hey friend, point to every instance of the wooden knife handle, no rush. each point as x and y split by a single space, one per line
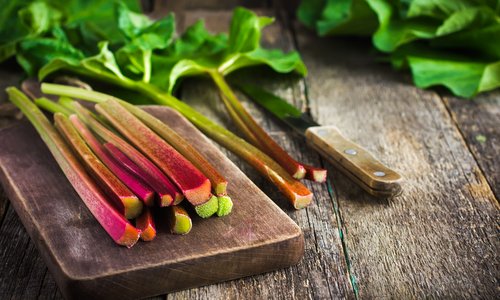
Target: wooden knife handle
354 161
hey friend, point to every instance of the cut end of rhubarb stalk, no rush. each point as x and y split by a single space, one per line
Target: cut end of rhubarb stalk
166 200
180 222
200 194
133 207
130 236
208 208
302 201
316 174
300 173
220 189
146 225
225 206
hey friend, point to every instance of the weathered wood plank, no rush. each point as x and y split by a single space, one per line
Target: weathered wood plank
479 123
322 273
440 238
22 269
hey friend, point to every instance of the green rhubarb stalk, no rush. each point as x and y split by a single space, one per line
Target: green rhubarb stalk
193 184
253 131
179 220
126 202
219 183
225 206
208 208
51 106
295 191
117 227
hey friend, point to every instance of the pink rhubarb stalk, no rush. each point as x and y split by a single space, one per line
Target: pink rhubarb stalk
117 227
134 160
193 184
315 174
219 183
136 185
146 225
126 202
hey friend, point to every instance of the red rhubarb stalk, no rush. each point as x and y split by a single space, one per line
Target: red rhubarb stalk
193 184
146 225
126 202
219 183
118 228
254 131
134 160
136 185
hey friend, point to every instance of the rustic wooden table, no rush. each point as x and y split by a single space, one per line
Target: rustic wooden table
439 239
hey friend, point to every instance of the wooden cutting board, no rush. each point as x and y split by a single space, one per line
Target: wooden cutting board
257 237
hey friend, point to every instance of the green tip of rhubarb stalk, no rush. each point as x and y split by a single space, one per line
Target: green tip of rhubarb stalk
133 207
183 225
208 208
225 206
302 201
220 188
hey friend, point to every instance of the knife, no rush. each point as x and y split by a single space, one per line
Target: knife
351 159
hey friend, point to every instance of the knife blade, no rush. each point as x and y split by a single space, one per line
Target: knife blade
350 158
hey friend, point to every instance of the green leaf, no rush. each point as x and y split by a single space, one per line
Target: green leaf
463 78
102 63
33 54
276 59
245 30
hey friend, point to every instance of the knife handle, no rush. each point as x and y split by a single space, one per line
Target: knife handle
354 161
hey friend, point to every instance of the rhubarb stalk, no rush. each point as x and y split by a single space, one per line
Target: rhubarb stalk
219 183
146 225
134 160
126 202
295 191
179 220
136 185
117 227
193 184
253 131
51 106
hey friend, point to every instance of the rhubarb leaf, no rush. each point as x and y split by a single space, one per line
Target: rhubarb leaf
469 29
199 52
143 36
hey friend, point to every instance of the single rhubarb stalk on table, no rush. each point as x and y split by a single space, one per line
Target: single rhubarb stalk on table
135 184
219 183
126 202
315 174
117 227
179 220
298 195
51 106
145 223
134 160
193 184
253 131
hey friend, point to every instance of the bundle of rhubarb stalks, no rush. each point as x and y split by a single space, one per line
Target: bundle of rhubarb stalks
124 164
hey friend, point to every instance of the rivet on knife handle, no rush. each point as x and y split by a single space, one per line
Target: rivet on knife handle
351 158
